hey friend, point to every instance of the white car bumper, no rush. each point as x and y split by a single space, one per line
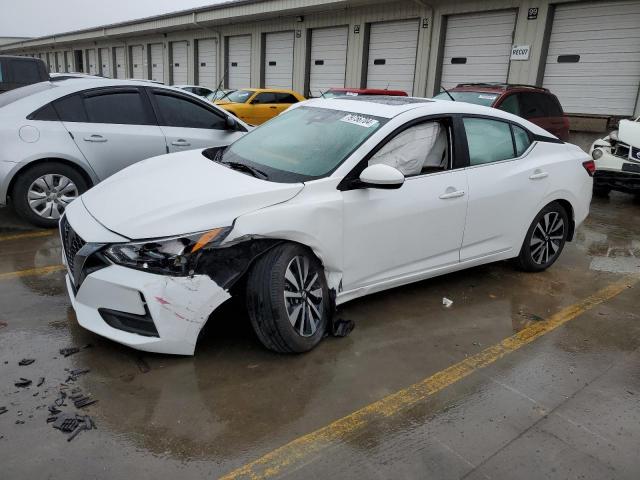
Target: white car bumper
169 311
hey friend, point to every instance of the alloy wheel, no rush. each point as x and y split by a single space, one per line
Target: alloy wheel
50 194
303 296
546 240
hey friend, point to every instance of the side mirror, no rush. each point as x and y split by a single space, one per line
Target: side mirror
381 176
231 123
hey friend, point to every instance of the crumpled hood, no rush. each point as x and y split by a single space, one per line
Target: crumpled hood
179 193
629 132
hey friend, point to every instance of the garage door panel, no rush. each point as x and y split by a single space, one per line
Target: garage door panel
606 77
278 60
157 62
484 40
392 55
137 61
208 63
179 63
119 67
239 61
105 62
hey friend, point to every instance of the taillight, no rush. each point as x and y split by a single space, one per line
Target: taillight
589 166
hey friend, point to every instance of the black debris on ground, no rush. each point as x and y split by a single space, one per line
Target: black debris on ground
66 352
72 424
3 410
26 361
342 327
40 382
3 324
23 383
74 374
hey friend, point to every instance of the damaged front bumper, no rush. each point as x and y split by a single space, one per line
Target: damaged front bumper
146 311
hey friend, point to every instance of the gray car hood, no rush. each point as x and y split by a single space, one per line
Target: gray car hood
179 193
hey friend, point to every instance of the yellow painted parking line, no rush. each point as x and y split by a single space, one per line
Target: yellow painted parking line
31 272
302 449
20 236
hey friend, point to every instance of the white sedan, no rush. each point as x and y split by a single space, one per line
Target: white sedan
330 201
59 138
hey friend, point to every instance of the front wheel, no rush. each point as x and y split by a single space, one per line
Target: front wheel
288 299
545 239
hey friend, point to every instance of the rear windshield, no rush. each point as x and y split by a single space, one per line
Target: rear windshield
477 98
19 93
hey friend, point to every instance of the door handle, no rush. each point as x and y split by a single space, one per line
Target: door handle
538 174
455 194
273 107
180 143
95 139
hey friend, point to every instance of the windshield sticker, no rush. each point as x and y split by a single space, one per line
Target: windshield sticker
351 94
360 120
487 97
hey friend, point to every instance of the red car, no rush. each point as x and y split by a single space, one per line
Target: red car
536 104
342 92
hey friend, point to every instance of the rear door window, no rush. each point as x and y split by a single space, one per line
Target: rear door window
265 97
176 111
521 139
286 98
122 107
71 109
491 141
511 104
550 106
532 105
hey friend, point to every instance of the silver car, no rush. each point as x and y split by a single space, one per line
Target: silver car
59 138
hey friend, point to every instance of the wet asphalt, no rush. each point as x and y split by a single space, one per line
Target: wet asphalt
566 405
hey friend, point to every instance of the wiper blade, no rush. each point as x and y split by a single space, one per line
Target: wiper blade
246 168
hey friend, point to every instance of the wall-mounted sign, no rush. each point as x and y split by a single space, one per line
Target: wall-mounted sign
356 29
520 52
532 13
298 33
425 23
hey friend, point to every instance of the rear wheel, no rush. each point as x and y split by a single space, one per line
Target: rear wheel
41 193
545 239
288 299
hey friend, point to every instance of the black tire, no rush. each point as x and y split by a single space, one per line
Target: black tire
601 191
270 313
19 193
543 244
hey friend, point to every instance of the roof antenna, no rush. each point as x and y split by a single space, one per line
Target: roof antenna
322 93
447 92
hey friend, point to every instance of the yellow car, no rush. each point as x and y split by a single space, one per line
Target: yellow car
257 105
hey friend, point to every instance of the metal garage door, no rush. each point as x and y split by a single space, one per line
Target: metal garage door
120 69
477 48
328 62
68 61
179 68
208 63
105 62
137 61
593 64
92 62
239 62
157 62
392 55
278 60
59 61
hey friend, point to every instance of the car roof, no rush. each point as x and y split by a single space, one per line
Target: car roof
369 91
390 106
268 90
495 87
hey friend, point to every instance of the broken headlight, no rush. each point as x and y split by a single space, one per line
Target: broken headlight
166 256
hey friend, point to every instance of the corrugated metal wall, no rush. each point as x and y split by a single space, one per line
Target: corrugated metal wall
532 28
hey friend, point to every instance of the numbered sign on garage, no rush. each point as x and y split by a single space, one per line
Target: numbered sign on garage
239 61
278 60
477 48
392 55
137 61
179 63
156 52
207 66
593 63
328 60
105 62
120 66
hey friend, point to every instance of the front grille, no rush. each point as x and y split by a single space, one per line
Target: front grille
71 242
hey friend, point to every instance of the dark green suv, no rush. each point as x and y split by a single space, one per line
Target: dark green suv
16 72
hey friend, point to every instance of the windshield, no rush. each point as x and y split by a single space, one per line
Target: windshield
239 96
478 98
303 144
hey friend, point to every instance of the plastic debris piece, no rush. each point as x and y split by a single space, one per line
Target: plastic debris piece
60 400
84 402
342 327
24 382
19 422
69 351
3 324
447 302
3 410
26 361
66 423
40 382
53 410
